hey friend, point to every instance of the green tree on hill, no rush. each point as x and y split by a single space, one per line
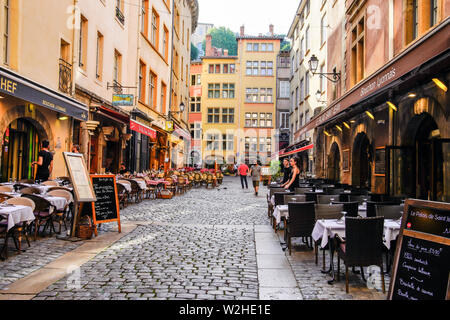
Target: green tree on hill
194 52
223 38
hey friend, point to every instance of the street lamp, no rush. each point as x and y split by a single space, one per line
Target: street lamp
181 107
314 63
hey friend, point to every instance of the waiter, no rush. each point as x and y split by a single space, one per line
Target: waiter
286 170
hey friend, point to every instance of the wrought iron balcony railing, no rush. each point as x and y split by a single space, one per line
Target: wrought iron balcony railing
120 15
65 76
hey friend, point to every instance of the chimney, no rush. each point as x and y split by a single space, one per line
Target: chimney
208 46
242 31
225 52
271 29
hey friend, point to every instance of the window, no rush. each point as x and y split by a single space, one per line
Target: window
82 56
196 131
255 47
117 73
214 90
6 33
254 119
263 47
270 47
268 145
266 68
163 97
227 115
196 79
144 24
152 81
357 52
181 68
119 11
213 115
248 119
182 36
255 68
165 45
229 68
249 47
293 65
141 82
284 89
323 30
251 94
154 38
268 119
284 120
176 68
262 144
307 84
196 104
434 12
249 68
228 91
266 95
307 40
177 21
228 142
307 116
214 68
302 89
212 142
296 97
307 6
302 52
99 57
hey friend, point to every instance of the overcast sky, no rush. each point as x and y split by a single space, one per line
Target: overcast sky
256 15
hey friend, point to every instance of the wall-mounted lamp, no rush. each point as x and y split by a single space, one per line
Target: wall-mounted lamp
314 63
391 105
181 107
346 125
412 95
339 128
326 132
440 84
62 117
371 116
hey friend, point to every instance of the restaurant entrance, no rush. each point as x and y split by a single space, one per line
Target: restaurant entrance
362 161
20 148
334 163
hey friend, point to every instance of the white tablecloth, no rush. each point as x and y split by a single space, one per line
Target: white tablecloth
142 184
58 202
17 214
330 227
126 186
280 211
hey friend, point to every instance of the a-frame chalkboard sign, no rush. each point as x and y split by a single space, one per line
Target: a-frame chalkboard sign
422 257
106 208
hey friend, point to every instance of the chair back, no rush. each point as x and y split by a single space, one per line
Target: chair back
6 189
4 197
61 193
279 197
333 191
364 241
302 190
371 207
30 190
350 207
359 198
29 181
22 202
294 198
124 182
301 218
326 198
41 204
393 212
273 190
327 211
50 183
121 189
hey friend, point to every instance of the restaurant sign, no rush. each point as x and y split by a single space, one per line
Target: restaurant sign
123 100
169 126
139 127
22 88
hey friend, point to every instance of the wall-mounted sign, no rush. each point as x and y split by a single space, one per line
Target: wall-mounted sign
380 161
169 126
346 160
139 127
123 100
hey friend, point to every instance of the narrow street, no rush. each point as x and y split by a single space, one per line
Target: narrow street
205 244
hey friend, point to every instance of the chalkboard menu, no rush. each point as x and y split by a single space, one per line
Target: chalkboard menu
106 208
422 258
380 161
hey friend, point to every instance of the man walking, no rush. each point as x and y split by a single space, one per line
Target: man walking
243 171
255 172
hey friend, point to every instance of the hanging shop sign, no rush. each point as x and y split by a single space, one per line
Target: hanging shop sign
123 100
169 126
139 127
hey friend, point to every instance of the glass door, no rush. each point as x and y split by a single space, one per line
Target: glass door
400 171
440 184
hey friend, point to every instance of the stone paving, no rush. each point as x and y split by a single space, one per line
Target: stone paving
200 245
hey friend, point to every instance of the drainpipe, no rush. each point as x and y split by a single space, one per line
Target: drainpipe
171 77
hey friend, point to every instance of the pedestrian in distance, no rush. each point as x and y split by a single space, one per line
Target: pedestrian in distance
243 172
293 181
255 172
44 163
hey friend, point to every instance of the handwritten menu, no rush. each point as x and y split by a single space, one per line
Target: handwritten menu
79 177
422 258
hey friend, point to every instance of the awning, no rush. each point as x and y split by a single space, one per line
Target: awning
141 128
20 87
284 154
113 114
179 132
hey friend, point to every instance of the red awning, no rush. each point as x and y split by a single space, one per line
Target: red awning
138 127
283 154
114 114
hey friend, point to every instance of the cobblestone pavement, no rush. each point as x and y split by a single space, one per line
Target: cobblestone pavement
200 245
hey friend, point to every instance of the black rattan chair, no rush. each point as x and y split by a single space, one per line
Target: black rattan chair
300 223
351 208
363 245
279 197
393 212
326 198
371 207
327 211
302 190
294 198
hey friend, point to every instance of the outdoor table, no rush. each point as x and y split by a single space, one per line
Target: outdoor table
58 202
16 214
126 186
326 229
141 184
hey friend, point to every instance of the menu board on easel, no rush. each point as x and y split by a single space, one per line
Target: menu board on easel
79 176
421 266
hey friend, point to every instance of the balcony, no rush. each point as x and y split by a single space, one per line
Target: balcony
65 77
120 15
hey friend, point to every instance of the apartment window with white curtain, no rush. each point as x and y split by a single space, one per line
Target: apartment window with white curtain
323 30
284 89
228 142
284 120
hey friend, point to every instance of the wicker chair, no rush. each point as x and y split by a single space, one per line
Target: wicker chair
197 179
351 208
20 186
50 183
29 181
393 212
210 181
326 198
6 189
269 201
219 177
181 184
333 191
151 189
363 246
171 186
122 194
327 211
360 198
300 223
4 197
30 190
43 214
21 229
64 214
136 191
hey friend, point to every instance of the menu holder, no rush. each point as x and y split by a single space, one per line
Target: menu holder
106 208
421 269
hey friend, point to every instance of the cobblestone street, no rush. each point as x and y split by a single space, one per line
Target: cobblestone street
204 244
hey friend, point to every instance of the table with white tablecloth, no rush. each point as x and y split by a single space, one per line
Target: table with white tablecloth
58 202
16 214
127 186
142 184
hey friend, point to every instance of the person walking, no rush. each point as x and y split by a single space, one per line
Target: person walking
255 172
286 170
243 172
293 181
44 163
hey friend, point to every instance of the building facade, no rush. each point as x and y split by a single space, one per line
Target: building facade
385 127
195 114
283 101
200 35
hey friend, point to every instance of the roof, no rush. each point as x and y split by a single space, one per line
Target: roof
220 57
260 38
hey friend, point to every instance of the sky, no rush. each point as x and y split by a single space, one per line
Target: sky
256 15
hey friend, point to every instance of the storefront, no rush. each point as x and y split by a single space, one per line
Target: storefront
144 140
31 113
390 134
